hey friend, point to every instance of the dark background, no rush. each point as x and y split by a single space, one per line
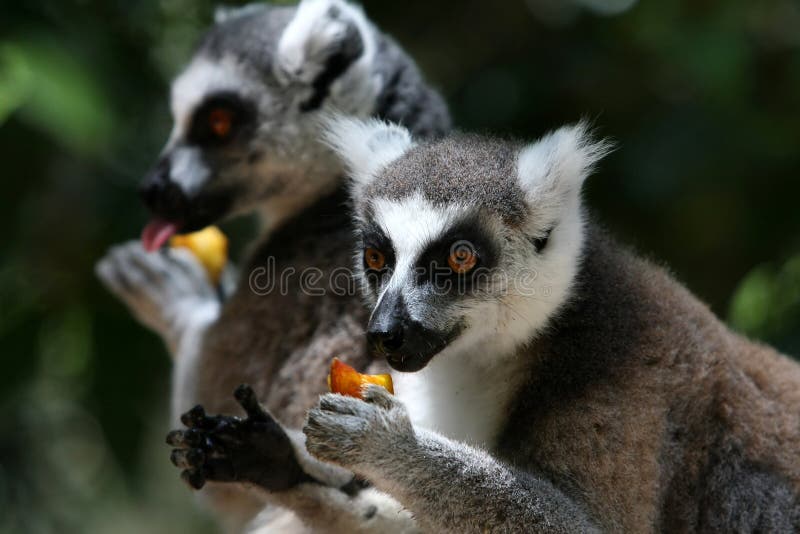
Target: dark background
702 96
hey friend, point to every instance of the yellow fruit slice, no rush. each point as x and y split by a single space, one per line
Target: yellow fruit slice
347 381
209 245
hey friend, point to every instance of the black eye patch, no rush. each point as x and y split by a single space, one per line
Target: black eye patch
433 267
540 242
204 129
373 237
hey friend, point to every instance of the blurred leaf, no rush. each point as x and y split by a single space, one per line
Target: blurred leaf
21 297
15 80
767 303
52 90
65 343
752 301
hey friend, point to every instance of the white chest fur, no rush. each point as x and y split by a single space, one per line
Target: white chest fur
461 397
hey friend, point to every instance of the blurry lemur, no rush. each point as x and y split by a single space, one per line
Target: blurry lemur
246 138
548 379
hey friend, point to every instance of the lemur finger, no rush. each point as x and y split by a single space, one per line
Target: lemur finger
130 268
194 478
109 273
150 271
187 458
374 394
246 398
321 424
194 418
184 438
333 402
187 276
183 262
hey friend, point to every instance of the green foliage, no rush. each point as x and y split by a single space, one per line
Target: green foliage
55 92
766 305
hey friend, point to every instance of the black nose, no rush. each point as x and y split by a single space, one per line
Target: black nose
387 337
161 195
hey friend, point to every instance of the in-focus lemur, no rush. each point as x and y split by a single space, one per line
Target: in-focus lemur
246 137
548 380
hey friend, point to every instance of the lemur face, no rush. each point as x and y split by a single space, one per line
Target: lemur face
246 113
463 242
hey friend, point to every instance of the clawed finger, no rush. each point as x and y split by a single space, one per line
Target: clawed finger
247 399
194 418
186 438
377 395
187 458
321 422
341 404
194 478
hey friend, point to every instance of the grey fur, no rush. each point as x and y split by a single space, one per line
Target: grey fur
405 98
464 168
635 409
251 37
449 486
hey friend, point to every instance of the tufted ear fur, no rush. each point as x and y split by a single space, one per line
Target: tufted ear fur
552 169
322 40
365 146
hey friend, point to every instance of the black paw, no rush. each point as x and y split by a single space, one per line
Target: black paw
224 448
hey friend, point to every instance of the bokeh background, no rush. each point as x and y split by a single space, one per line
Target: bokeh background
703 98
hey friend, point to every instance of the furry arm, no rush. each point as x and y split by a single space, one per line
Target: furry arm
448 486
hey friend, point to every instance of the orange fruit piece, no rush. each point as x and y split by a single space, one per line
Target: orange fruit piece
347 381
209 245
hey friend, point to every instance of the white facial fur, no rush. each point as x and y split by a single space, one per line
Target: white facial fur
188 169
200 78
464 389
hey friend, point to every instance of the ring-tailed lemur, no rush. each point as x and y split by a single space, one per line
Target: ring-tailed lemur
246 137
549 379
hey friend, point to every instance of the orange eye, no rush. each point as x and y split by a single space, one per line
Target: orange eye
374 259
462 259
221 121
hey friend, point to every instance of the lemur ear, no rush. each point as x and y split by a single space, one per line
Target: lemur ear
552 170
365 146
322 40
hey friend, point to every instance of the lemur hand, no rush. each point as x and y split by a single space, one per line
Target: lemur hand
223 448
168 291
351 432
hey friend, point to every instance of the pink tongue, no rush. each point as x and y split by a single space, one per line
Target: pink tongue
156 233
